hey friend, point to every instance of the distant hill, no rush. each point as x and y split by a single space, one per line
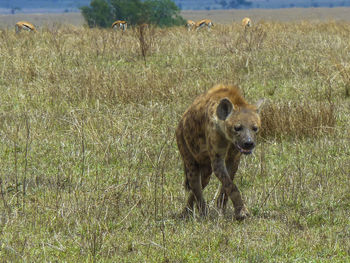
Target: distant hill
61 6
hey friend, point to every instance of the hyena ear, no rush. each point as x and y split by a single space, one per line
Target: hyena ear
224 109
259 104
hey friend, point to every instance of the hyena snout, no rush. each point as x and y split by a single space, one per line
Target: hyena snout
246 146
249 145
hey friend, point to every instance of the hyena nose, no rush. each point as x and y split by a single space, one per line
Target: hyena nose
248 145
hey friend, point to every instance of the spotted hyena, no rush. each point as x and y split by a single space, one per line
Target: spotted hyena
212 135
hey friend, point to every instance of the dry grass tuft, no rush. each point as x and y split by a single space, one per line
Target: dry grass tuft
344 72
297 119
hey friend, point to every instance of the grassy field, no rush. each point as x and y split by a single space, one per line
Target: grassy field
89 168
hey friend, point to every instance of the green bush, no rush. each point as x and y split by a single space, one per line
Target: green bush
102 13
133 11
164 13
99 13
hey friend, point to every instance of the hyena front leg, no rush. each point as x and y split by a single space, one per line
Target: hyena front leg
231 164
229 189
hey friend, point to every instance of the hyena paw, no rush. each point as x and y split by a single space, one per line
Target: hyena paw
204 211
186 213
242 213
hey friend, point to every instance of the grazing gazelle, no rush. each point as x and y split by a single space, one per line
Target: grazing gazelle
190 25
120 24
23 25
204 23
246 22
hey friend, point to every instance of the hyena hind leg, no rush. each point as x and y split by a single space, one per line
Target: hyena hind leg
196 181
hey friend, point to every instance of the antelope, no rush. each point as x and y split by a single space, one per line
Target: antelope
203 23
23 25
246 22
120 24
190 25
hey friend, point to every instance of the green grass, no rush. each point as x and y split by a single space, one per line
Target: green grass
88 128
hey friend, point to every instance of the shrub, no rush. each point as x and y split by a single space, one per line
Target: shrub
97 14
102 13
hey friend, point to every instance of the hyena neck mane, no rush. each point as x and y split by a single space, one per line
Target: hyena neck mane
232 93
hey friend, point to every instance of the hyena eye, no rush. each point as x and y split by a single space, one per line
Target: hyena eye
238 128
255 128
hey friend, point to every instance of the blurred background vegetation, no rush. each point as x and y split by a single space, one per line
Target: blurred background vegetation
103 13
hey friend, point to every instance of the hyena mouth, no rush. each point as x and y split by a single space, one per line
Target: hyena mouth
244 151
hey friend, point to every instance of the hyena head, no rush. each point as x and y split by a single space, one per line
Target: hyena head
239 124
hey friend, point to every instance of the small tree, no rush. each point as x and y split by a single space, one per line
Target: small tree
14 9
98 13
136 12
133 11
164 13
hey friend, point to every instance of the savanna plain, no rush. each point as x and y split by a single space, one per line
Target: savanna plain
89 167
